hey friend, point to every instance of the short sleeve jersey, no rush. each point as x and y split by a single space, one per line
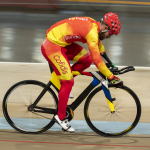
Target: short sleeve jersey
80 29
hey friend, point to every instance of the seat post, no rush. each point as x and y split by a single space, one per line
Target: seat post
51 69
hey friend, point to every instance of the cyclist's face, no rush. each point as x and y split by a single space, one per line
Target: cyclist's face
104 35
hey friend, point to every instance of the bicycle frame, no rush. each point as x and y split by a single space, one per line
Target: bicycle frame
97 79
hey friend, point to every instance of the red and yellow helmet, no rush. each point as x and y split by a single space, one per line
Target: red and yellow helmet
112 20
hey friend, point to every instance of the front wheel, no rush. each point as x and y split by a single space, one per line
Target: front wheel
18 101
99 117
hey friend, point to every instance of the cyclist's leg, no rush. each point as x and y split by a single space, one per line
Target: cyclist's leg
56 56
77 53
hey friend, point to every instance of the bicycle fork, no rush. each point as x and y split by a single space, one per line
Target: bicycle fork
108 96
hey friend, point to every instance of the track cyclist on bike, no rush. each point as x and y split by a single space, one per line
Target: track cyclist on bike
59 47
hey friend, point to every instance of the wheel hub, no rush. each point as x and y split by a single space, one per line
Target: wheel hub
30 108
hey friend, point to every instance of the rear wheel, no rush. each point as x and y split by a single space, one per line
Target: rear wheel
99 117
17 103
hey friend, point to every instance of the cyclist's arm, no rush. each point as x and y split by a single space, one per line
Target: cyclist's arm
92 41
103 53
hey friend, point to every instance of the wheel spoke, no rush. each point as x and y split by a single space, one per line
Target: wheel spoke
41 115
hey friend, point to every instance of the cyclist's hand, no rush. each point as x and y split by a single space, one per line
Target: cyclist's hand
114 80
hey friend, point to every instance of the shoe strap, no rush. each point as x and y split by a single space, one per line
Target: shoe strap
67 128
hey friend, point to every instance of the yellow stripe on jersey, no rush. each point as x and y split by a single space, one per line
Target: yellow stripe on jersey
92 37
56 34
80 54
101 48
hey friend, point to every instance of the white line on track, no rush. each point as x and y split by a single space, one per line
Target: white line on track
22 63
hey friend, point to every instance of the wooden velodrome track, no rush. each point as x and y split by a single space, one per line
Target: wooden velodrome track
137 80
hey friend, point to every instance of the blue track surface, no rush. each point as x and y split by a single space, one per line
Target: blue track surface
81 126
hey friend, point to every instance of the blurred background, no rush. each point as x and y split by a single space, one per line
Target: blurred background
23 26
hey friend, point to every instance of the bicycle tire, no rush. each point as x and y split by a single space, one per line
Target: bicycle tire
127 106
28 122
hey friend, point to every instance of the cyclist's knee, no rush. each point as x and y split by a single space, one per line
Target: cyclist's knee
88 61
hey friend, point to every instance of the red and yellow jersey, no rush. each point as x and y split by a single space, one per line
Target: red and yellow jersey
80 29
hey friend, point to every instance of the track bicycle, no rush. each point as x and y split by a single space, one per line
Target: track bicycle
110 110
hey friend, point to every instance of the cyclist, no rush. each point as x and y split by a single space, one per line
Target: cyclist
59 47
